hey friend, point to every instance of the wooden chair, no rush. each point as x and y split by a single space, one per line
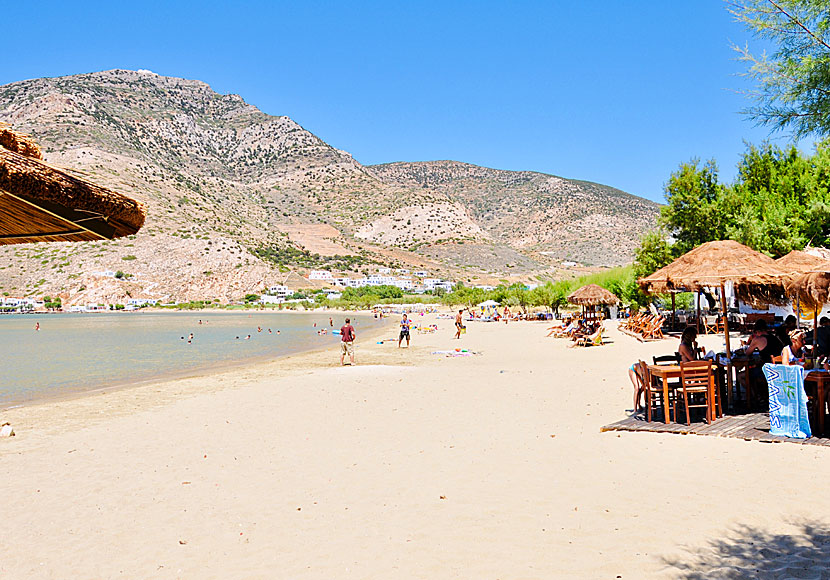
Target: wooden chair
652 392
592 340
666 359
711 324
654 331
697 381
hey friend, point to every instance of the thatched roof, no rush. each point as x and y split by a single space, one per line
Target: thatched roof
592 295
811 288
800 262
757 278
40 203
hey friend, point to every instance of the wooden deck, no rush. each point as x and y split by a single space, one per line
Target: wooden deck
751 427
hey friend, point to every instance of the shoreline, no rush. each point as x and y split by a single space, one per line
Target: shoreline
217 368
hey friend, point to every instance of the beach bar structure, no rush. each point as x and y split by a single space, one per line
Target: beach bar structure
756 278
42 203
590 296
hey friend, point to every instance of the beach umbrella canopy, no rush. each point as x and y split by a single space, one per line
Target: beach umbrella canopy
800 262
592 295
41 203
757 278
812 289
489 303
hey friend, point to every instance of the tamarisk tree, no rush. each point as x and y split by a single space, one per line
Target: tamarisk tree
794 79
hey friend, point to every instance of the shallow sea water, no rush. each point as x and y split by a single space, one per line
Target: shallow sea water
79 352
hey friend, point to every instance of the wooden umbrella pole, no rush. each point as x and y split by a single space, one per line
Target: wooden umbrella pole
673 321
728 349
697 320
815 333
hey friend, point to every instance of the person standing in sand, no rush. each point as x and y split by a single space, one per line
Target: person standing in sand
405 323
347 336
459 324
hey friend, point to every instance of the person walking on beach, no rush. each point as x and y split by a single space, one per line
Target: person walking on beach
459 325
347 336
405 323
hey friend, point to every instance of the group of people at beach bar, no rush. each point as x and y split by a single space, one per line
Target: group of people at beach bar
737 380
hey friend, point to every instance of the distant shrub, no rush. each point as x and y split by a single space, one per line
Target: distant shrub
128 257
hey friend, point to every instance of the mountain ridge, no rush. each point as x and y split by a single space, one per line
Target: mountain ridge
223 180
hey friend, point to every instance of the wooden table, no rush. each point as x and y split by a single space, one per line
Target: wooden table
821 378
665 372
668 372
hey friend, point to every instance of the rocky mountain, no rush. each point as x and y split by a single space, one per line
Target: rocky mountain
237 198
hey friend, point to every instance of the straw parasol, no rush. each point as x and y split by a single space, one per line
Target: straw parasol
592 295
807 284
811 288
41 203
756 277
799 262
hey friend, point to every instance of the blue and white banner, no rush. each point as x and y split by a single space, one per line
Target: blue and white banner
787 401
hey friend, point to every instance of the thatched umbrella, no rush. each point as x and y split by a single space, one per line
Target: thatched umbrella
805 268
41 203
811 288
591 296
800 262
756 277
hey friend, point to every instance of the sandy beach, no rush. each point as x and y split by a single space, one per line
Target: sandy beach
407 465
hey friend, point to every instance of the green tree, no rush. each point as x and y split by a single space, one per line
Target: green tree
794 79
693 213
550 295
653 253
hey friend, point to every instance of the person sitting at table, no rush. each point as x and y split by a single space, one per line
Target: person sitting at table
794 353
783 331
822 347
688 345
763 341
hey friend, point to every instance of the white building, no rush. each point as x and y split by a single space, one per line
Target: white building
343 281
378 280
402 272
385 271
485 287
404 283
139 302
420 273
320 275
279 291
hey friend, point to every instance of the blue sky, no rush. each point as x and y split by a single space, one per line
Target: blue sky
614 92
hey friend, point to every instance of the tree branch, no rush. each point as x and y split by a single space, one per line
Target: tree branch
799 23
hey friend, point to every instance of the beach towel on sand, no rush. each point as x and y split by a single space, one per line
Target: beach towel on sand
787 401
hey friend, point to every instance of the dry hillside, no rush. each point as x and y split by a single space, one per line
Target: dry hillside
236 198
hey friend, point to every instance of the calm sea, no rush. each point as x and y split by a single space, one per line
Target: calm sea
79 352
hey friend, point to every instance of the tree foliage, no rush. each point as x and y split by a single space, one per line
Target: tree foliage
794 80
779 202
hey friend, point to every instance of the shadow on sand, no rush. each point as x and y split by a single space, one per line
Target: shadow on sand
748 552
